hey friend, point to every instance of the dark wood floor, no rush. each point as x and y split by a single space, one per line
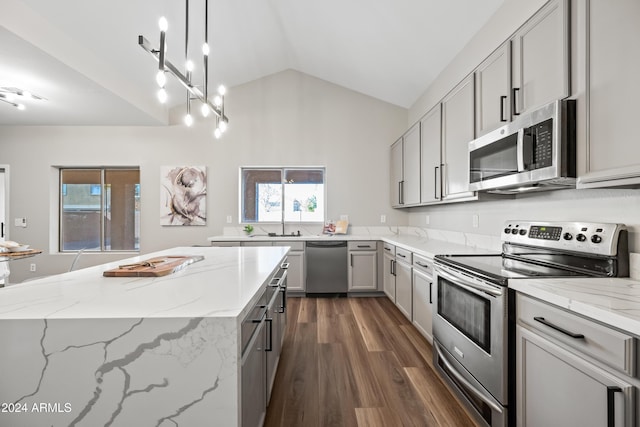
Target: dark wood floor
357 362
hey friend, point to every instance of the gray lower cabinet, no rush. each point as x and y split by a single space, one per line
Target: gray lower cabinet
296 276
424 296
388 271
254 380
404 291
566 370
363 266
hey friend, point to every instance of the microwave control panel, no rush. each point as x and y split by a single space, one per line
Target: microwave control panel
538 145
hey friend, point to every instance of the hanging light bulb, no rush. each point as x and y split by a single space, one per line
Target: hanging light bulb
188 120
222 126
217 133
20 107
189 65
205 49
222 90
161 78
217 100
162 95
163 24
205 110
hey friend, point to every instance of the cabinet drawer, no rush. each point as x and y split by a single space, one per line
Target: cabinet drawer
605 344
295 246
403 255
423 264
388 248
362 245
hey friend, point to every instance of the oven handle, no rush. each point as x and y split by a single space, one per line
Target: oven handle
468 285
466 383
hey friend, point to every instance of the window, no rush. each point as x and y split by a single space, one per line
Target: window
100 209
282 194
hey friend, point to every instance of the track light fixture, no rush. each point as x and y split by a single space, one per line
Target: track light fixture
194 93
15 96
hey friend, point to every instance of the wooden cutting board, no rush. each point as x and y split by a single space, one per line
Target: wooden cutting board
153 267
28 252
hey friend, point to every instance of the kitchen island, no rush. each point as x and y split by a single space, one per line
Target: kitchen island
86 350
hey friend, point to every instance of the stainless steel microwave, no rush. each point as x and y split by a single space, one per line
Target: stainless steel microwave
536 151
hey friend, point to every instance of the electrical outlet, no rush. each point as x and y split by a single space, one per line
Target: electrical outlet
476 220
383 219
32 267
229 219
20 222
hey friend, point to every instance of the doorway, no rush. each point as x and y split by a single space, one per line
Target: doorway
4 266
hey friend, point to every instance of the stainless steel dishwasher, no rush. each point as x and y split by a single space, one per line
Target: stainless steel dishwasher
327 268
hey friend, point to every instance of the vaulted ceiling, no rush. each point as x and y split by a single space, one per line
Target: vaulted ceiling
83 56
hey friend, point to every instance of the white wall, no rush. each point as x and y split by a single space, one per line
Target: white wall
285 119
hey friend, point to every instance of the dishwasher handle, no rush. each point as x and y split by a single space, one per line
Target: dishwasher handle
334 244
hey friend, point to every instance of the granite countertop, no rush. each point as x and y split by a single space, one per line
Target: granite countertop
223 284
613 301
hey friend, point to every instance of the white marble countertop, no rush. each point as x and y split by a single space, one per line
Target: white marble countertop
223 284
613 301
420 244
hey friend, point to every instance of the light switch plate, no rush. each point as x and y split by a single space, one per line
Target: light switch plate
20 222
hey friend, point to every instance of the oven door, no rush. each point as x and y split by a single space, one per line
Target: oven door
471 324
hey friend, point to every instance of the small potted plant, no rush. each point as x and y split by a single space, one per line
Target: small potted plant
248 229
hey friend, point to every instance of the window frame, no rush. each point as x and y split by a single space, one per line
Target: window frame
283 170
103 194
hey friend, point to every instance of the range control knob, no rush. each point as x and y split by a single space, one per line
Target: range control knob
596 238
567 236
523 231
514 231
507 230
581 237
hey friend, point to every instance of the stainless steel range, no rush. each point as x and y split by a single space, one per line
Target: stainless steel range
473 328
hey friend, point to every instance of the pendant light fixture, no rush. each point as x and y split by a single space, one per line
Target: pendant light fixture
15 97
194 93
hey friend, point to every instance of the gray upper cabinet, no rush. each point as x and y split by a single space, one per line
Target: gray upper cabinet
457 131
613 154
430 147
411 166
396 173
527 71
405 169
540 63
493 88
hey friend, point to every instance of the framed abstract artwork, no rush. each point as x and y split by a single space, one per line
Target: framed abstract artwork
183 195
